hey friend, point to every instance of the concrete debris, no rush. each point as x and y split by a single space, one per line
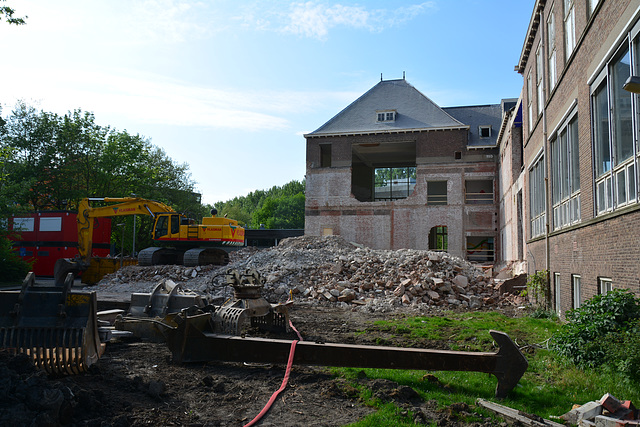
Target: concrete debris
331 270
606 412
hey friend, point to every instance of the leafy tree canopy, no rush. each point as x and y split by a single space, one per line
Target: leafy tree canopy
276 208
50 162
8 12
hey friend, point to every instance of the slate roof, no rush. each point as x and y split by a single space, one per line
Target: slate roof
414 112
476 116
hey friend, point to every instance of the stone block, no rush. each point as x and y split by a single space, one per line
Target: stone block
589 411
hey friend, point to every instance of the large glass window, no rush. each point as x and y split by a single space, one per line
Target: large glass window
394 183
537 198
530 101
569 27
576 291
613 131
539 74
565 175
557 291
551 39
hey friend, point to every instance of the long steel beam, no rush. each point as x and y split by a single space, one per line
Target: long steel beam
191 342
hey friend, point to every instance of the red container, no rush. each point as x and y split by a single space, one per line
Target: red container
44 237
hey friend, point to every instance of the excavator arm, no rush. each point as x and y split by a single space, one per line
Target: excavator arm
121 206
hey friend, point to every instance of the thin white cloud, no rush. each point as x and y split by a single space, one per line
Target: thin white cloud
315 20
154 99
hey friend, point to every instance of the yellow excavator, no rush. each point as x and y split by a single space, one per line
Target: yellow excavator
190 243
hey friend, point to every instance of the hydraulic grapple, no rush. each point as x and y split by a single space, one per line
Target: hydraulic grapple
54 325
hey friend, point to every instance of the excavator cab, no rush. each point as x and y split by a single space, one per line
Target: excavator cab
167 226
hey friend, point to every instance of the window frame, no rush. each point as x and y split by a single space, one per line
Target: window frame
384 116
565 172
539 76
576 291
605 284
530 101
615 127
557 290
569 28
537 197
551 50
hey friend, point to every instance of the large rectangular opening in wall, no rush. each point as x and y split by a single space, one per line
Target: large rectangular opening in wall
478 192
480 249
383 171
325 155
436 193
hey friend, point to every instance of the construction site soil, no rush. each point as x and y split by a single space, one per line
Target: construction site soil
135 383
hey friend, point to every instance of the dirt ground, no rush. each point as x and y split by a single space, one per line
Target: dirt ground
135 383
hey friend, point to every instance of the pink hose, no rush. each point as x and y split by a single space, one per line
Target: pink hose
282 387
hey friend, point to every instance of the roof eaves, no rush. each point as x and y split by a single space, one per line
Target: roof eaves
381 132
534 23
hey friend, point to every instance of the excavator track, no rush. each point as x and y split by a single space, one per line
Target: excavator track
205 256
159 256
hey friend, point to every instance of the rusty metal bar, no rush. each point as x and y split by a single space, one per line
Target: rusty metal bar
190 342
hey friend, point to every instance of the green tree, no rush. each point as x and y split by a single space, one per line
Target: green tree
8 12
57 160
278 207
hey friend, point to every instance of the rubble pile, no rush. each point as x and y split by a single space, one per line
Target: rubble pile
606 412
331 270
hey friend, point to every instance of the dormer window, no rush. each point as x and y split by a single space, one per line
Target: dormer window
484 131
386 116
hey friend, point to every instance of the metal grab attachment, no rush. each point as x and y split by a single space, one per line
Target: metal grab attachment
150 314
54 325
192 340
248 303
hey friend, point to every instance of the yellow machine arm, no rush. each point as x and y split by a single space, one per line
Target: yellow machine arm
86 214
123 206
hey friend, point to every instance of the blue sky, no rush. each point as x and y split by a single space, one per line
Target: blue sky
230 86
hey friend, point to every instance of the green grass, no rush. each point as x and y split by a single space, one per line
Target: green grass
549 387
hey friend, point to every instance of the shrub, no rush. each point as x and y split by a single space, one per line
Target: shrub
14 268
538 289
602 332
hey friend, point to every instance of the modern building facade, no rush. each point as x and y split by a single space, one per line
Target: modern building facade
580 147
394 170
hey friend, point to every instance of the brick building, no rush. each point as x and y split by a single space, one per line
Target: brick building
580 137
394 170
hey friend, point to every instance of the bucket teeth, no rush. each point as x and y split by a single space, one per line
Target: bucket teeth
55 327
56 351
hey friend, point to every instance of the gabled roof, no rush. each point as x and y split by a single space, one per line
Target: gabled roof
414 112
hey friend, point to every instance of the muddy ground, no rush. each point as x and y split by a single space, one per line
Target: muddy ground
135 383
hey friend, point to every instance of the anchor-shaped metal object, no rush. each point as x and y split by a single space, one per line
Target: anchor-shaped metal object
193 341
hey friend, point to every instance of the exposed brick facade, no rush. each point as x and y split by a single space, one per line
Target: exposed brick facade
441 154
596 245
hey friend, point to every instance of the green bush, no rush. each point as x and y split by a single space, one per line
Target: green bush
14 268
604 332
538 289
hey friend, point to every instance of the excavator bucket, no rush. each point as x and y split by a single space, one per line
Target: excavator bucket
54 325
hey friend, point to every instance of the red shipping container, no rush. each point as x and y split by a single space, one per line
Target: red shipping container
44 237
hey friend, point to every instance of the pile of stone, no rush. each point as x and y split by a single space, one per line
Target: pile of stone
606 412
331 270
